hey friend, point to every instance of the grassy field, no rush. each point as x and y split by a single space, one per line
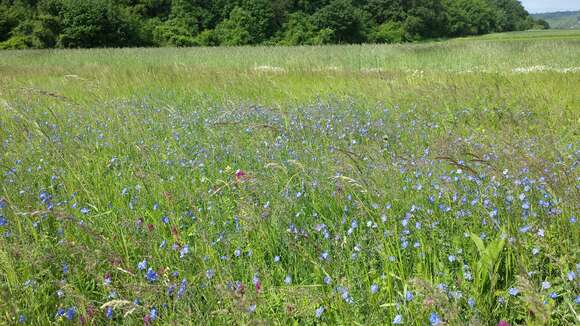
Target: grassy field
418 184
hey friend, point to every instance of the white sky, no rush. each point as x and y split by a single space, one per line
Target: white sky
535 6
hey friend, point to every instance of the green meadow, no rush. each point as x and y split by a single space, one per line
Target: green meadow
428 183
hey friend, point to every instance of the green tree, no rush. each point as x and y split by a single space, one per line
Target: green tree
344 19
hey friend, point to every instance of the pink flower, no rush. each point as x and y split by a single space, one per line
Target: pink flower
240 175
503 323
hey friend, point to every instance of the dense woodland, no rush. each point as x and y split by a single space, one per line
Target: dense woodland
122 23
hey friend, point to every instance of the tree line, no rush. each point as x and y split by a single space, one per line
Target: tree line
126 23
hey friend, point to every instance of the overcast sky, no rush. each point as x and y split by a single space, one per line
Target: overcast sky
535 6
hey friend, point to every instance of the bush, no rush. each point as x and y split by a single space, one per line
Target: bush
298 30
175 32
238 29
17 42
391 32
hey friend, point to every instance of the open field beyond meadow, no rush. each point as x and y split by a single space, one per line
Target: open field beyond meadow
365 184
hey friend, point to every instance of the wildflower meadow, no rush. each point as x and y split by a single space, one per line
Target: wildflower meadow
417 184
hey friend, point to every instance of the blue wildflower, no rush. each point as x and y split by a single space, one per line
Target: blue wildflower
319 312
109 312
409 296
184 251
182 288
153 313
84 210
142 265
60 312
151 275
374 288
3 221
70 313
21 319
513 291
165 220
471 302
434 319
546 285
398 320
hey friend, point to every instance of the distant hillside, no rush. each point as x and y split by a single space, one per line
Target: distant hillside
562 19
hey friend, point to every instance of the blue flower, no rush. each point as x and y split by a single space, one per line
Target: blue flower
109 312
151 275
288 279
60 312
409 296
21 319
319 312
398 320
471 302
84 210
546 285
327 280
165 220
184 251
153 313
70 313
64 268
374 288
513 291
3 221
434 319
182 288
142 265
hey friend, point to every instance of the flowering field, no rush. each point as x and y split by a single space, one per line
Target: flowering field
413 184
